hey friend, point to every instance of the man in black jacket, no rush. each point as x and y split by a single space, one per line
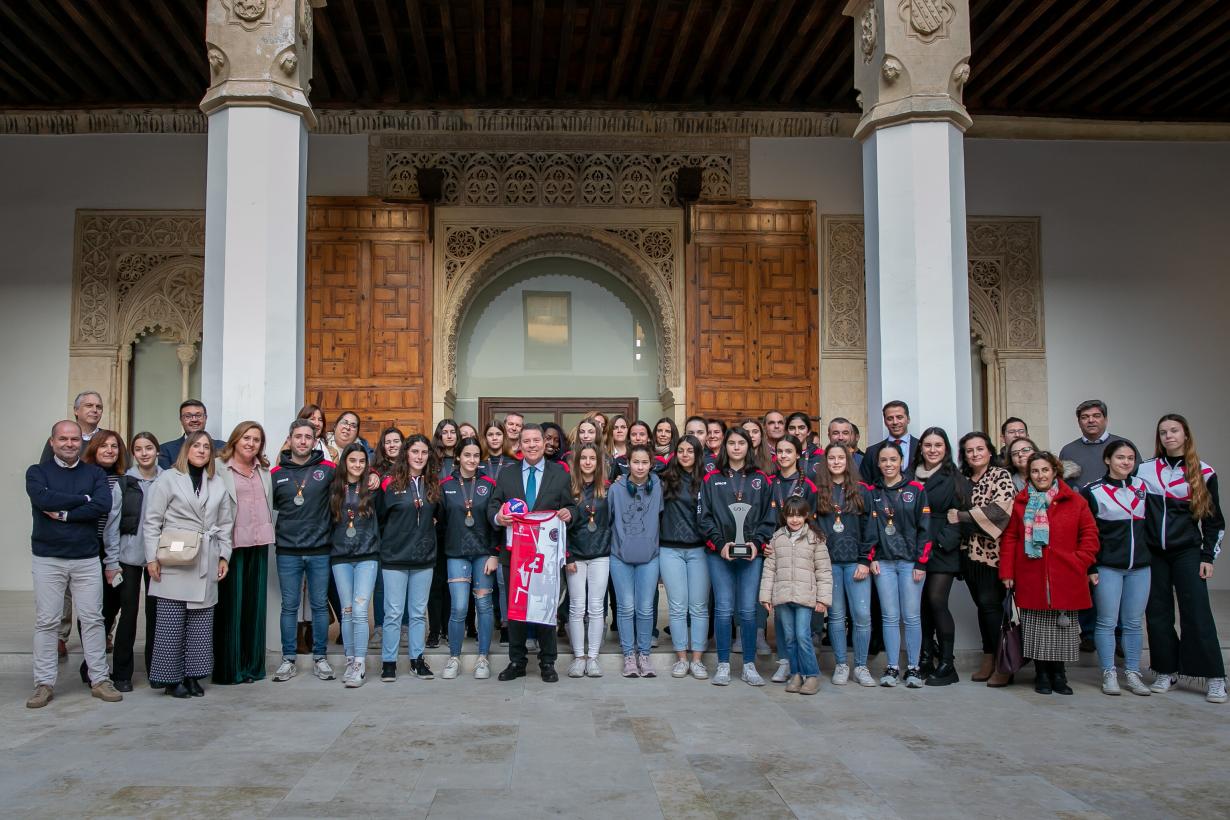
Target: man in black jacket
302 532
897 422
192 417
543 485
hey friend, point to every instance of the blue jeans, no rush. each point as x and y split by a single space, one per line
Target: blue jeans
686 575
736 585
856 596
635 585
405 591
465 575
795 621
355 582
1120 596
900 600
291 569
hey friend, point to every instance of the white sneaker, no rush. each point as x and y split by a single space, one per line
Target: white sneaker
782 673
592 668
577 668
322 669
452 668
862 676
482 669
841 674
1216 691
1110 682
913 678
750 676
890 677
1135 684
698 670
1163 683
644 663
286 670
722 676
680 669
762 645
349 671
357 675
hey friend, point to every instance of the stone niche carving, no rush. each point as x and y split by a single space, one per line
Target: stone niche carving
546 171
1006 316
134 273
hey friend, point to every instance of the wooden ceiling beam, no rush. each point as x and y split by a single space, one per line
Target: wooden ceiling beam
592 38
55 55
536 18
384 16
91 60
478 11
138 75
736 51
836 23
158 42
1158 31
647 52
123 37
1218 99
1009 39
790 55
1057 47
998 21
450 49
337 64
784 9
32 68
422 58
196 10
359 42
1006 68
1214 71
707 50
506 48
567 25
1154 73
681 45
191 45
628 28
840 64
8 89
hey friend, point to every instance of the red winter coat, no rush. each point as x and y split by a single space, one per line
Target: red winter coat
1059 579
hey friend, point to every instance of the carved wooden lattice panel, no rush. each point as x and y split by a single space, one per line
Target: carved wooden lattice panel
368 294
752 308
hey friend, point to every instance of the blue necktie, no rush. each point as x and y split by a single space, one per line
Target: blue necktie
531 487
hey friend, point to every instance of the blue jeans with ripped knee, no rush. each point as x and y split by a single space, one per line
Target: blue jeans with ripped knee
355 582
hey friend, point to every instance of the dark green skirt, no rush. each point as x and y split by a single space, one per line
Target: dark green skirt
239 618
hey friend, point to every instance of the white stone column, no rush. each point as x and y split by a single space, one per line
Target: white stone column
255 221
909 69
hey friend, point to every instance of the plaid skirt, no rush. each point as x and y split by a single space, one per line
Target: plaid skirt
1045 640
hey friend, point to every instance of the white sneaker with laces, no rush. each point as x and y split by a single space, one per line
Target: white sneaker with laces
577 668
357 675
862 676
482 669
1135 684
1217 690
349 671
452 668
592 668
1163 683
698 670
750 676
782 673
286 670
722 676
1110 682
680 669
322 669
841 674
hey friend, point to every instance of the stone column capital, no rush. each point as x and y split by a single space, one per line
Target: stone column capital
260 54
910 61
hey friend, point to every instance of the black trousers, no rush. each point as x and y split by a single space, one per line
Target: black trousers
125 602
988 592
439 601
1195 652
518 631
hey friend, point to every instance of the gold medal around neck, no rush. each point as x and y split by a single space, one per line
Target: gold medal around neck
350 530
469 522
838 526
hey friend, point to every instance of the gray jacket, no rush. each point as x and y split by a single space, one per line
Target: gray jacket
132 547
635 520
111 530
171 502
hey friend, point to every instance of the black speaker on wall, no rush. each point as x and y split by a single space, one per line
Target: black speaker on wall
687 185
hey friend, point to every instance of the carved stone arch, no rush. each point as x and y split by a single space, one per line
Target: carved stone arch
168 299
608 248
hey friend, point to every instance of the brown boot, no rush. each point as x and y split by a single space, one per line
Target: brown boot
984 671
998 680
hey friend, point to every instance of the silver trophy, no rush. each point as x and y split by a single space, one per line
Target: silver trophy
740 547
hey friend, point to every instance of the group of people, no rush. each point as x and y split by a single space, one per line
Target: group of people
739 523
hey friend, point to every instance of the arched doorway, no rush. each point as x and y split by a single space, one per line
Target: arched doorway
562 334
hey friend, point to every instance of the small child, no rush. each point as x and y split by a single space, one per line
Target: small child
798 579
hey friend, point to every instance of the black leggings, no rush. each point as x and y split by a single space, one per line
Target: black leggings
936 617
988 593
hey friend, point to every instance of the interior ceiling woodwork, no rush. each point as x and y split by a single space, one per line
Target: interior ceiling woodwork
1110 59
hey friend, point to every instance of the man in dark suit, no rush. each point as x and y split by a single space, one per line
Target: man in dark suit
897 422
543 485
192 417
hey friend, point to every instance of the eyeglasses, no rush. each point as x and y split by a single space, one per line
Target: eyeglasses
192 416
352 425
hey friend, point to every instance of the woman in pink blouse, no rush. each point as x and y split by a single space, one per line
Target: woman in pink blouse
239 620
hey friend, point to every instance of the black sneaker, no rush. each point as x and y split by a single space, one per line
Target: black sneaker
388 671
420 669
433 641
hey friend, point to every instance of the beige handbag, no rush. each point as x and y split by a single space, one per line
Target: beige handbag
178 548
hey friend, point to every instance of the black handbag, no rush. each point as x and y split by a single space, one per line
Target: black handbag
1011 653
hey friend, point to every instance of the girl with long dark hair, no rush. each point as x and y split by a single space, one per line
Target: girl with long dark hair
355 556
589 558
681 561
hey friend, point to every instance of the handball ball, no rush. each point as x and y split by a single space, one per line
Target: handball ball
514 506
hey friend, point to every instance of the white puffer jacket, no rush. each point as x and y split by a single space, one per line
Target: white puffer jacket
798 571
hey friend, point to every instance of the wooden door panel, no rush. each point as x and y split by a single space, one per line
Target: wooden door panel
368 292
752 309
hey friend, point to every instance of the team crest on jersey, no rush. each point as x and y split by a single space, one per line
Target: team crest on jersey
553 534
1140 494
756 483
907 496
318 475
481 489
